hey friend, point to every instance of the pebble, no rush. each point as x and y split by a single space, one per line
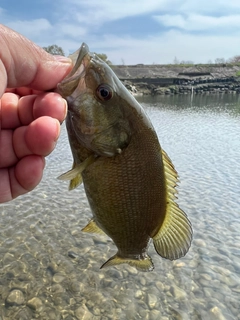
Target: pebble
58 277
15 297
155 315
217 313
72 254
138 294
8 258
151 300
82 313
143 281
160 286
57 288
35 304
132 270
200 243
178 293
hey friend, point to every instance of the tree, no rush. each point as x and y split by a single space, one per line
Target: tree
176 61
235 59
104 57
220 60
186 62
54 49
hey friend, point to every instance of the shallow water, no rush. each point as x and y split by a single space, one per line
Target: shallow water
50 269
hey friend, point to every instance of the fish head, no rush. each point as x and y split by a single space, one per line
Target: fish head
96 105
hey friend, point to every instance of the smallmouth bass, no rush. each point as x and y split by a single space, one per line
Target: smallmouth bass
128 179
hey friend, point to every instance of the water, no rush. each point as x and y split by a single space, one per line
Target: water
50 269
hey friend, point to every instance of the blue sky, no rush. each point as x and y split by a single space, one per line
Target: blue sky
136 31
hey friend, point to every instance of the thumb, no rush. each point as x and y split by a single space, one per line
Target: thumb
24 64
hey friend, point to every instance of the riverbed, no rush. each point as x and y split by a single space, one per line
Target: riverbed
50 268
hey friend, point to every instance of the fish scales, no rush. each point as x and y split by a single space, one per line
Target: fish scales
128 179
118 193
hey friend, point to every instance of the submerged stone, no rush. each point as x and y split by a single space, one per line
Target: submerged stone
15 298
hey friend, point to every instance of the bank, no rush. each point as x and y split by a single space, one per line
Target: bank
180 79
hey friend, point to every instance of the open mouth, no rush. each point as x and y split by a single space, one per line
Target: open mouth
81 58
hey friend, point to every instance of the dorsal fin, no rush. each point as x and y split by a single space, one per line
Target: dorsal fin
174 237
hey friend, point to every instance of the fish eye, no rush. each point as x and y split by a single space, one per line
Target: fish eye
104 92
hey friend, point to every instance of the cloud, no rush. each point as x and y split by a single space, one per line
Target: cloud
97 12
196 22
31 28
188 29
162 48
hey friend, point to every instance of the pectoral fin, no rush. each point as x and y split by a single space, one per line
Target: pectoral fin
173 239
75 174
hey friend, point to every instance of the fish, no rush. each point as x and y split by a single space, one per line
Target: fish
129 180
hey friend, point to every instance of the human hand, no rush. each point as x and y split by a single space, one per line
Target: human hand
29 116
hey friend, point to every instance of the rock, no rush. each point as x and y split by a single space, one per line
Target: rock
58 277
160 286
217 314
82 313
35 304
151 300
8 258
72 254
15 298
142 281
155 315
132 270
179 293
138 294
200 243
57 288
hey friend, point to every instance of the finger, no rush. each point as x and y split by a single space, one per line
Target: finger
26 64
50 104
28 173
21 179
17 112
9 111
25 109
38 138
23 91
8 157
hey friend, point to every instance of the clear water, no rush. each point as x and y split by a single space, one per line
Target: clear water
50 269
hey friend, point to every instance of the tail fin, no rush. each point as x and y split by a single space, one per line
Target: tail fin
174 237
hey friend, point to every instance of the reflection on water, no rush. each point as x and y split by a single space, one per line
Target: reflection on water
219 102
50 269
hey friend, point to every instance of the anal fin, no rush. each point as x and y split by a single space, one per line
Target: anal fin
144 264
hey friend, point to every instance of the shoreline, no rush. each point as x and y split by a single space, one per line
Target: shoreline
180 79
211 88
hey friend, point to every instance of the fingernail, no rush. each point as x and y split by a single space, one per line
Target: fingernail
57 130
66 108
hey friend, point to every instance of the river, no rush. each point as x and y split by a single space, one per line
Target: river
50 269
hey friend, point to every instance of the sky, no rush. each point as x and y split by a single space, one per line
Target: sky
131 32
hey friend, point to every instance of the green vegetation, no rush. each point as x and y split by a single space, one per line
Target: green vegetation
104 57
54 49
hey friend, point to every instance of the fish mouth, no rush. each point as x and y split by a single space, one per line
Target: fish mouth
81 58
